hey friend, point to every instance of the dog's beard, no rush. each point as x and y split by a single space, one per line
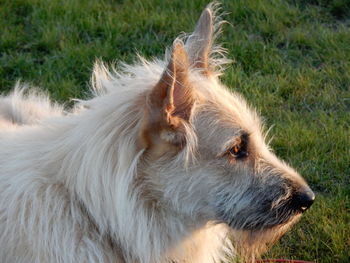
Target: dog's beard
257 227
253 242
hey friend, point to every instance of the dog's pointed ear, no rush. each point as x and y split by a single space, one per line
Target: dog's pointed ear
199 43
171 100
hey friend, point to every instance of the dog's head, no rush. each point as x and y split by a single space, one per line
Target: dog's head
205 154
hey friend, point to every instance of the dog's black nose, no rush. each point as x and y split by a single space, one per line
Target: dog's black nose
303 199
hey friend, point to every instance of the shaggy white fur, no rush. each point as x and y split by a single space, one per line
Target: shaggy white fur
67 181
17 109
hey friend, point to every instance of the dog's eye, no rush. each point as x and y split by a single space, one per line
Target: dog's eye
238 152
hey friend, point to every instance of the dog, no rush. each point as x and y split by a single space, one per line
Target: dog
163 164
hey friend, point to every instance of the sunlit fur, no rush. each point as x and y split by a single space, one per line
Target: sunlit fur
78 186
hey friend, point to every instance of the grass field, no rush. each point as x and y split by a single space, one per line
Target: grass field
291 60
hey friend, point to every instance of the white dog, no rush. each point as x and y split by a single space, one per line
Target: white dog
164 164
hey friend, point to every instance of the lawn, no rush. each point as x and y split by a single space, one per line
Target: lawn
291 61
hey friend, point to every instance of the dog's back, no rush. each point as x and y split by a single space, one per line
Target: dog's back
26 107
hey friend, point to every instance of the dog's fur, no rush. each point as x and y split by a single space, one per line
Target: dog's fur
164 164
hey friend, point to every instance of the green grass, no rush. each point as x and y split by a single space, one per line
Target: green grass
292 61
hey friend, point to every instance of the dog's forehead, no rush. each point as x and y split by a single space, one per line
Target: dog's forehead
227 106
222 115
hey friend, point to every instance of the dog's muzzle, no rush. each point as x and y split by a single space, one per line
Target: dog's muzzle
262 215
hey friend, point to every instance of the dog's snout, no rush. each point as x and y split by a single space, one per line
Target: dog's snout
303 199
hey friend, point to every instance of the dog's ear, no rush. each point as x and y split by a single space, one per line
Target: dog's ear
171 100
199 43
